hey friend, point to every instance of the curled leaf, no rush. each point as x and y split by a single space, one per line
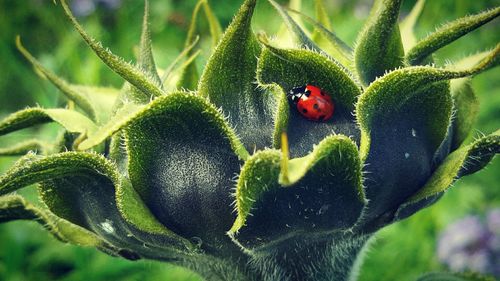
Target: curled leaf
15 207
462 162
325 194
71 120
290 68
107 205
182 159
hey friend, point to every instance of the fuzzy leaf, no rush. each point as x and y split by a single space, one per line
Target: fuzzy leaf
15 207
182 159
294 28
326 194
291 68
228 81
146 61
71 120
132 74
466 104
447 34
462 162
407 26
379 47
404 118
406 138
82 101
330 42
86 190
393 90
25 147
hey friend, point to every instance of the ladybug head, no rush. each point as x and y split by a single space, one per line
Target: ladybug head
296 93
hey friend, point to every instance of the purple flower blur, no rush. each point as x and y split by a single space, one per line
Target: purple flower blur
83 8
472 244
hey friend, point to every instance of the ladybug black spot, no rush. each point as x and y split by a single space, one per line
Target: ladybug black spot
304 110
316 106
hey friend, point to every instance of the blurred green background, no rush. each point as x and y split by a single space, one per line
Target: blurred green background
401 252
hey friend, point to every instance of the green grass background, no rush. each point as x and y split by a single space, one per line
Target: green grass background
400 252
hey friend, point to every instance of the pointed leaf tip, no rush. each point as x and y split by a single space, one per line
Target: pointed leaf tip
447 34
146 60
132 74
379 47
228 81
294 28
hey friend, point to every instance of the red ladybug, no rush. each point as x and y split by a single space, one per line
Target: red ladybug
312 102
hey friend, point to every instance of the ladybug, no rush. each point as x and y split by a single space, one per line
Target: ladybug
312 102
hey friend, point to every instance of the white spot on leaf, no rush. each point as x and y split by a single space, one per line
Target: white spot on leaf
108 226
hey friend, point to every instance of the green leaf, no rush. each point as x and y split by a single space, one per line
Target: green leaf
294 28
464 161
228 81
25 147
102 98
407 26
393 90
132 74
15 207
325 194
146 60
78 98
290 68
86 189
182 160
189 76
122 117
447 34
330 42
466 104
186 74
322 16
466 107
71 120
213 24
379 47
404 119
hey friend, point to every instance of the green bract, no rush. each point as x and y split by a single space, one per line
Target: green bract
228 179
